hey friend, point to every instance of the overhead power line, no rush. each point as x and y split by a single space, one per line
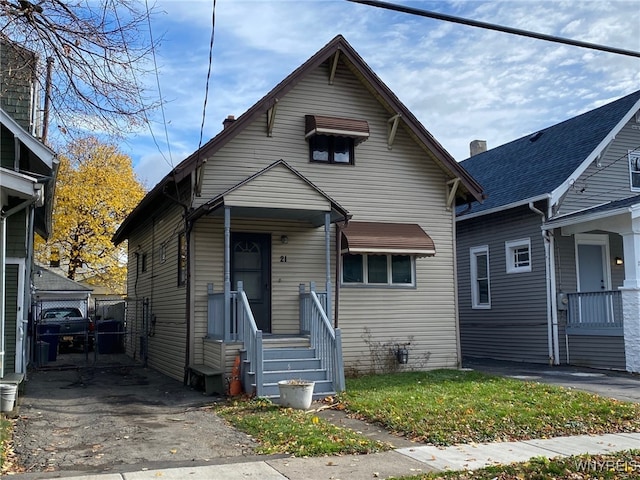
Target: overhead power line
498 28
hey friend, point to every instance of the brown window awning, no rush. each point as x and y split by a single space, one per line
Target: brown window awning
341 127
387 238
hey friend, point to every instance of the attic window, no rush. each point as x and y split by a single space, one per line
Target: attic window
333 140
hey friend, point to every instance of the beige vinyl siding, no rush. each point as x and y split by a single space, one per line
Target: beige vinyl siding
277 188
609 181
401 184
159 284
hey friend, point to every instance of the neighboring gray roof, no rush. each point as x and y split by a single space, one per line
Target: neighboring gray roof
47 281
536 164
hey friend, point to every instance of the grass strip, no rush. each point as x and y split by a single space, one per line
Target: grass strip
612 466
294 432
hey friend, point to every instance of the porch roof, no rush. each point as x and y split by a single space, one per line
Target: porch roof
390 238
604 211
277 191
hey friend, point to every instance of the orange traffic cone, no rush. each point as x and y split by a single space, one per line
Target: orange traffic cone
235 387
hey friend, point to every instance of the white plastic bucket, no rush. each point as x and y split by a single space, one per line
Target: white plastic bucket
8 394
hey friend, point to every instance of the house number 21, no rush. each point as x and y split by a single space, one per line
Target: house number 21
283 259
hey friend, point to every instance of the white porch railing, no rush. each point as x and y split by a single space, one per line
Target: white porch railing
595 313
326 340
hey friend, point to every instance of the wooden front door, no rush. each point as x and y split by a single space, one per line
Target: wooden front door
251 264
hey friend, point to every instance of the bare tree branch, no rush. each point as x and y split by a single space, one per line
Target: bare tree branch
100 50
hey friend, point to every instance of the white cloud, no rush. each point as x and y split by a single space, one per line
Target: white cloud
461 82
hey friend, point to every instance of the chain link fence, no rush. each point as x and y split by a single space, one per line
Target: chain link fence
77 332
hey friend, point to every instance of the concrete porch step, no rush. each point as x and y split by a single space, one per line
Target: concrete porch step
321 389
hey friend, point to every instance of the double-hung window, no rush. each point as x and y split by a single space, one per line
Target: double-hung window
480 285
634 169
378 270
518 255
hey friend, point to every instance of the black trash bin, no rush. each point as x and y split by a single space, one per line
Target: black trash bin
109 336
51 335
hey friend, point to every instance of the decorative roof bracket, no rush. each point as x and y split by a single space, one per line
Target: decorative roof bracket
334 67
393 128
271 118
452 186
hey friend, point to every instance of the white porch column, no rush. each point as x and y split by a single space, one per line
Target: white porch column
631 296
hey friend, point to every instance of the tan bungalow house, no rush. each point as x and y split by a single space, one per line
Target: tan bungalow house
314 235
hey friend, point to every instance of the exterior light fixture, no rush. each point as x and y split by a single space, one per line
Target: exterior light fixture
284 239
619 261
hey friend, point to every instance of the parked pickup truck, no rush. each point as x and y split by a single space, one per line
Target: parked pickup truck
74 327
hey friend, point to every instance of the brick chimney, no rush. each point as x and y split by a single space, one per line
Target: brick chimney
228 121
477 146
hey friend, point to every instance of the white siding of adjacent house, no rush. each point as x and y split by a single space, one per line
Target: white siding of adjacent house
159 284
401 184
608 179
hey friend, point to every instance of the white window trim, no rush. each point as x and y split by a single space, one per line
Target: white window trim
633 154
509 247
475 294
389 284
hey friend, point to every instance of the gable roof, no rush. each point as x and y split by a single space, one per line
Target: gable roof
537 165
372 82
47 281
281 195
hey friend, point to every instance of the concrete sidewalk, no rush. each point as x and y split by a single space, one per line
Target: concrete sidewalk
396 463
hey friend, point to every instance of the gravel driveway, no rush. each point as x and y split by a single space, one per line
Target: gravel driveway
116 419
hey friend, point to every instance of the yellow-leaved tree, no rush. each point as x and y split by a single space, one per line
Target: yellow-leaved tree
96 189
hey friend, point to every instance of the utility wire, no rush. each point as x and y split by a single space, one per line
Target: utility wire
206 90
144 112
498 28
155 67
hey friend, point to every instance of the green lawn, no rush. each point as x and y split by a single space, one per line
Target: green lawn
444 407
440 407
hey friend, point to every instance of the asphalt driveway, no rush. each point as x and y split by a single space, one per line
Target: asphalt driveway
119 418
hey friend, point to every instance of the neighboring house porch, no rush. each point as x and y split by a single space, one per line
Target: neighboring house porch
598 277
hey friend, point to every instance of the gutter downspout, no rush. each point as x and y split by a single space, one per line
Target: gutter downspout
552 319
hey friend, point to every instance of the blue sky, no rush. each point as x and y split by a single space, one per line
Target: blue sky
462 83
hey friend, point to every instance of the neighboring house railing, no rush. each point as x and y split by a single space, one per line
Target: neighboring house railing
595 313
326 340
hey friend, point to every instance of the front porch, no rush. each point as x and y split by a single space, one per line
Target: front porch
313 353
597 260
